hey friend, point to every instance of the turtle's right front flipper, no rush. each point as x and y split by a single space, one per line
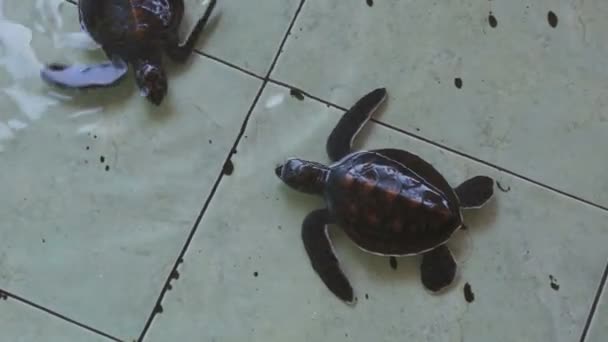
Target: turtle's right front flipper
340 140
84 76
322 256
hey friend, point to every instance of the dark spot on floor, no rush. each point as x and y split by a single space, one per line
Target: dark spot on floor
228 168
469 296
366 296
502 188
94 137
3 295
86 161
370 3
175 274
210 141
554 284
180 261
280 228
107 167
102 159
169 287
492 20
296 93
158 309
458 82
464 227
43 240
255 274
88 148
552 19
393 262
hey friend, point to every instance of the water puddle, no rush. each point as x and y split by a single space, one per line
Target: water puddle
274 100
16 54
74 40
31 104
18 60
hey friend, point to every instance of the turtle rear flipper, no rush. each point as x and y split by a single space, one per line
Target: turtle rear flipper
84 76
322 256
180 52
340 140
438 269
475 192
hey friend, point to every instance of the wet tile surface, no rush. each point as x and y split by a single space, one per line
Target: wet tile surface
247 268
599 325
101 190
21 323
524 95
244 33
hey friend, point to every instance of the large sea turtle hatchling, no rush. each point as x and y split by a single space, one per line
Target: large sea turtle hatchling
132 32
389 202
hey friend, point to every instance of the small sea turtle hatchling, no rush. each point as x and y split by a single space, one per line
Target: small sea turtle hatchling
130 32
389 202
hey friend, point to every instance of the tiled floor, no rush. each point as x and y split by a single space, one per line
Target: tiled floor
102 193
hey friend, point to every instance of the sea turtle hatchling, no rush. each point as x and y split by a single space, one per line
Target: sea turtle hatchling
130 32
389 202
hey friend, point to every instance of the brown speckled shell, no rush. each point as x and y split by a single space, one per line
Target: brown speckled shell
118 24
391 202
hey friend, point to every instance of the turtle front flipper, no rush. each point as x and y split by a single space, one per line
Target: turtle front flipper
84 76
180 52
340 140
475 192
322 256
438 268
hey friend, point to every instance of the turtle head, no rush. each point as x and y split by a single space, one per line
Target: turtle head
151 80
302 175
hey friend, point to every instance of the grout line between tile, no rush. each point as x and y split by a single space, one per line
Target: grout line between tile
58 315
197 221
179 260
229 64
594 305
454 151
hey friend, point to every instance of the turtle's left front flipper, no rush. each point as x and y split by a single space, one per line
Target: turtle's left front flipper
340 140
84 76
181 52
438 268
322 256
